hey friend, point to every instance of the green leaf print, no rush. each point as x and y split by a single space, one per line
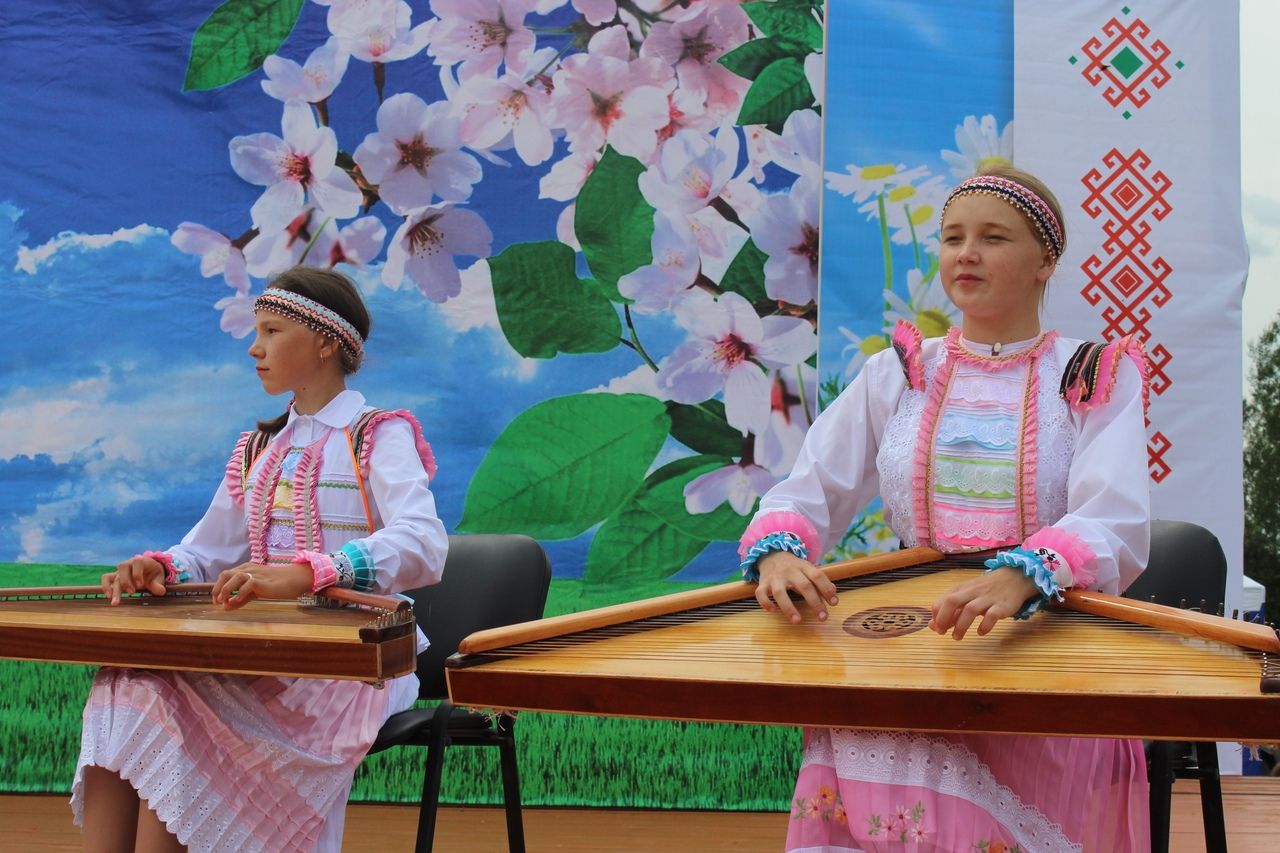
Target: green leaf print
613 222
543 306
235 40
780 90
565 464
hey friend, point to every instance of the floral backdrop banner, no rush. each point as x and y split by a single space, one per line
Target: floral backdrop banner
587 231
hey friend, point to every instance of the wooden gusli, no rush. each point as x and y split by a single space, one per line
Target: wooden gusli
344 635
1098 665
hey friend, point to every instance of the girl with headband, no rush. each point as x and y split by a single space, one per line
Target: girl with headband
1002 435
331 493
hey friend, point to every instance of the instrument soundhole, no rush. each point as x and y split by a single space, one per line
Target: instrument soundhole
881 623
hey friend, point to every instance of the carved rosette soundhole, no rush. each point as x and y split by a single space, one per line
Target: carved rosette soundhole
881 623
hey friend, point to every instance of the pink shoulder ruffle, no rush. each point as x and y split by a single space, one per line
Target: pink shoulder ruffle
1108 370
782 521
235 470
420 442
908 344
1080 558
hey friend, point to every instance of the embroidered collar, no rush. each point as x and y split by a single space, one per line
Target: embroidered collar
1014 353
337 413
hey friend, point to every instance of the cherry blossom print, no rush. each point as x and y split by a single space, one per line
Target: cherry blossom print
564 179
295 168
424 246
728 349
386 35
740 484
655 288
599 99
216 252
414 156
312 81
799 147
692 47
793 398
691 170
786 228
237 314
481 34
508 107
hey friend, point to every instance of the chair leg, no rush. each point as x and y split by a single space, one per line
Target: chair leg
511 793
431 778
1215 827
1160 779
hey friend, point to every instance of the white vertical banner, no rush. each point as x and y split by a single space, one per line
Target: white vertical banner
1131 114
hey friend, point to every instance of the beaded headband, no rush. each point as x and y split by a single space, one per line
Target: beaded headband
1032 206
313 315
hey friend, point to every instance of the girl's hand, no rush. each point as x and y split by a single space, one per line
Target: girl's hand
134 575
781 571
236 587
993 596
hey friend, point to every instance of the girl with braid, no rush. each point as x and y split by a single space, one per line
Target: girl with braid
331 493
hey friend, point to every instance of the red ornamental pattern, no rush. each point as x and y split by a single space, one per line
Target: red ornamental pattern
1124 277
1125 64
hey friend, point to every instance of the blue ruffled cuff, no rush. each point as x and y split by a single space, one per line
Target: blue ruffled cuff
354 566
1030 564
766 545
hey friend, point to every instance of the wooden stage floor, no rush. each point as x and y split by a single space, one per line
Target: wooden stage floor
42 824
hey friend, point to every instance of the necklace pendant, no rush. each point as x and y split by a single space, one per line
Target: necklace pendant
995 348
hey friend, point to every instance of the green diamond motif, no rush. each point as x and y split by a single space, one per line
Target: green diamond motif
1124 9
1127 114
1072 60
1126 62
1178 64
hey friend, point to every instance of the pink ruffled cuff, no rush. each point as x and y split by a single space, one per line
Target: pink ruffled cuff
172 574
322 568
1078 556
782 521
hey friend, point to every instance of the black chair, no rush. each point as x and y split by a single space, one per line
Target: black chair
1187 569
489 581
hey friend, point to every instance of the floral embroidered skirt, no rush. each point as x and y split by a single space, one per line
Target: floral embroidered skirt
878 792
236 763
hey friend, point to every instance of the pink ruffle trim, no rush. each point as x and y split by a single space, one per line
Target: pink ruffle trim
420 442
164 558
306 483
782 521
268 478
1109 370
1027 504
235 470
322 568
908 343
921 485
1080 557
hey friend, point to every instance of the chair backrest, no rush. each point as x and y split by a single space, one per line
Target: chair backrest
1187 564
489 580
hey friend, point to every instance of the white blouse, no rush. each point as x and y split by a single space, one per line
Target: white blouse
408 543
1091 471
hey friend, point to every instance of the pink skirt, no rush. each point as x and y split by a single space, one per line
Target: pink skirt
877 792
233 763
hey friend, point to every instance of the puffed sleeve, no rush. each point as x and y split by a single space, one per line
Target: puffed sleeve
217 542
1105 536
834 476
409 549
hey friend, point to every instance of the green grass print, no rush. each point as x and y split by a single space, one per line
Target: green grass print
564 760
